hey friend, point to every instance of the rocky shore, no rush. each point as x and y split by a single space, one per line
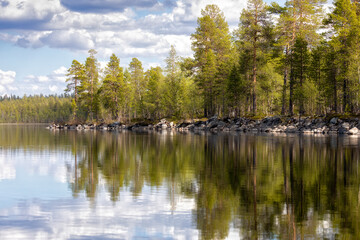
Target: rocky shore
305 125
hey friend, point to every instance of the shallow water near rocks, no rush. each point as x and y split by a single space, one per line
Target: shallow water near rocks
168 185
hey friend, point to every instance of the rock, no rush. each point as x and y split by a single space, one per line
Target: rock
342 130
234 128
212 124
291 129
345 125
163 120
354 131
213 118
271 121
334 120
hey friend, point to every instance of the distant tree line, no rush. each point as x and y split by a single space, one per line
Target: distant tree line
35 109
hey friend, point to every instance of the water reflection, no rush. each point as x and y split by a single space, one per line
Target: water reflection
204 186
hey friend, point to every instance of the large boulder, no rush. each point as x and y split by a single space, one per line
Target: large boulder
354 131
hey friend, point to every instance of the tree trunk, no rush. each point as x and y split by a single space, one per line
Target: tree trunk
291 111
335 91
254 78
285 82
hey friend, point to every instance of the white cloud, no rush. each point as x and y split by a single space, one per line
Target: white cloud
60 71
28 12
43 78
12 88
106 6
2 89
7 77
53 88
53 82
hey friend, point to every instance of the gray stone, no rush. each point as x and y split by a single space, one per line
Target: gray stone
334 120
345 125
354 131
342 130
291 129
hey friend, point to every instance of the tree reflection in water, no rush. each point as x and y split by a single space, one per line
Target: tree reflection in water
266 187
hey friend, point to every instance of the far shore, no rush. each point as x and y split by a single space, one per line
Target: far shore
26 124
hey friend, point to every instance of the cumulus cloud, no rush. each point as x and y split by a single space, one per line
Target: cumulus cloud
53 88
27 14
7 78
43 79
53 83
80 40
101 6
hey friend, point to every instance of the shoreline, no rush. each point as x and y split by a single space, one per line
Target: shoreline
24 124
305 125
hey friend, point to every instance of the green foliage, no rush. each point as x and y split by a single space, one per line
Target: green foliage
138 87
36 109
154 78
173 86
88 89
211 44
112 88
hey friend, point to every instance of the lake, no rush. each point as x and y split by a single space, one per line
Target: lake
168 185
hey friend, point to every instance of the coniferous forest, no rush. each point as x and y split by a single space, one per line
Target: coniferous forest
298 59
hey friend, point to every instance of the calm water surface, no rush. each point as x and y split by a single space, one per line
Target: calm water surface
100 185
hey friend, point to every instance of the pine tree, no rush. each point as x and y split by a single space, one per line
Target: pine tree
344 21
89 85
152 102
297 19
112 89
173 94
253 24
138 83
76 74
211 41
300 60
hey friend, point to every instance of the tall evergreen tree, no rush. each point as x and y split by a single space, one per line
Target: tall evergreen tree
211 42
300 60
139 85
76 74
89 85
112 89
153 95
344 21
173 94
254 22
297 19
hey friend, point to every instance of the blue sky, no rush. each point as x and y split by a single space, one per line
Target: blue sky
40 38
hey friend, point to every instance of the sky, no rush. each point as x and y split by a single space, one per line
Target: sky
40 38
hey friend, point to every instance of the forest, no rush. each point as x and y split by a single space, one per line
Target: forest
300 59
35 109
